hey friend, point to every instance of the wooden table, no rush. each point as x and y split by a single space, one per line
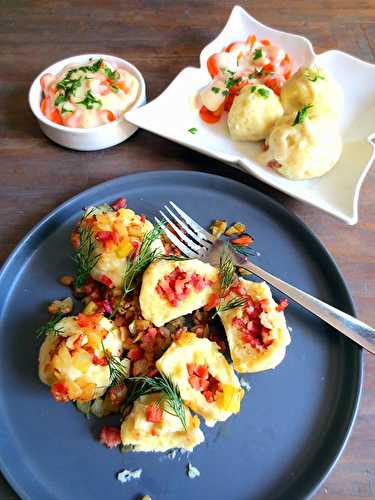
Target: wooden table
160 38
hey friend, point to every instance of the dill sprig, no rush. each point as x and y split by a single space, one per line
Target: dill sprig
175 258
85 257
243 251
137 263
117 371
227 276
50 326
170 394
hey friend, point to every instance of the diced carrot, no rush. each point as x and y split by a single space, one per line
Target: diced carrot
265 42
270 68
43 106
272 84
243 240
123 87
251 39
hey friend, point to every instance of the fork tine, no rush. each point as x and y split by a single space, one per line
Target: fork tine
185 239
184 249
187 229
194 225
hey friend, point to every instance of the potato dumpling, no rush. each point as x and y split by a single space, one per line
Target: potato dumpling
172 289
116 234
312 85
72 360
149 428
207 382
257 333
253 113
305 150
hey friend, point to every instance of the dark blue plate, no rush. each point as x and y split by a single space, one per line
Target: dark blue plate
294 422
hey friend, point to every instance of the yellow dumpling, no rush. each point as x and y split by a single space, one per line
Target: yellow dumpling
207 382
145 435
253 113
312 85
305 150
72 360
172 289
116 234
257 333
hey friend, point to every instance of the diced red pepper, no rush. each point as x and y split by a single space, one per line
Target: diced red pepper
154 413
110 436
136 353
120 203
105 280
60 391
243 240
88 321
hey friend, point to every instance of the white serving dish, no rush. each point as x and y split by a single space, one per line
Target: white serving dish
89 139
172 114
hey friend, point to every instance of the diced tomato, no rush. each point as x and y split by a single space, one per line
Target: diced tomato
56 117
265 42
212 301
209 396
154 413
202 371
243 240
103 235
283 304
110 436
135 354
105 280
60 391
143 218
120 203
44 106
209 116
110 116
212 65
269 68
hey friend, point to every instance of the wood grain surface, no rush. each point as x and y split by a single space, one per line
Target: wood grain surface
160 38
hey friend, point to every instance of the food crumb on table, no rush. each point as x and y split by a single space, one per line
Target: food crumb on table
192 471
244 384
126 475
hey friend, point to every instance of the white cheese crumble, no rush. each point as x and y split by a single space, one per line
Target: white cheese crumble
172 454
192 471
127 475
244 384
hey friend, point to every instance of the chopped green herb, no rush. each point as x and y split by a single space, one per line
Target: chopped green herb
90 100
265 93
302 114
216 90
50 326
93 68
112 75
59 99
115 89
225 70
225 92
68 86
258 53
193 130
64 110
231 82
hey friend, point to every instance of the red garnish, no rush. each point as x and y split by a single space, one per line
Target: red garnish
154 413
117 394
212 301
60 392
212 65
135 354
105 280
88 321
120 203
243 240
253 332
177 285
210 116
103 235
110 436
201 380
143 218
283 304
274 164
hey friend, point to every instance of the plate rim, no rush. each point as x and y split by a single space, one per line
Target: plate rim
350 307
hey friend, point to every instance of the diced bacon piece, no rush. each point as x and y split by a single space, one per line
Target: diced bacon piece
136 353
154 413
110 436
105 280
117 394
283 304
60 391
120 203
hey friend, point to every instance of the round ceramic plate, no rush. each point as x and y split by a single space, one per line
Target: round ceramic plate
293 422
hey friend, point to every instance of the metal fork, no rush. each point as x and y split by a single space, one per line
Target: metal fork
195 242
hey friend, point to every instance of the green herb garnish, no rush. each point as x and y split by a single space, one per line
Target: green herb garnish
90 100
59 99
215 90
170 394
231 82
112 75
265 93
115 89
86 257
193 130
302 114
67 86
117 371
50 326
225 92
258 53
93 68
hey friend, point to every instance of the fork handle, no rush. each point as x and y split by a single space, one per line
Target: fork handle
356 330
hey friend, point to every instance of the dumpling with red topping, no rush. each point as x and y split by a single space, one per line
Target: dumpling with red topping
72 360
149 428
207 382
171 289
116 233
257 333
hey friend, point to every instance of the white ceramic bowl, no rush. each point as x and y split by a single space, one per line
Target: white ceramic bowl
88 139
172 114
